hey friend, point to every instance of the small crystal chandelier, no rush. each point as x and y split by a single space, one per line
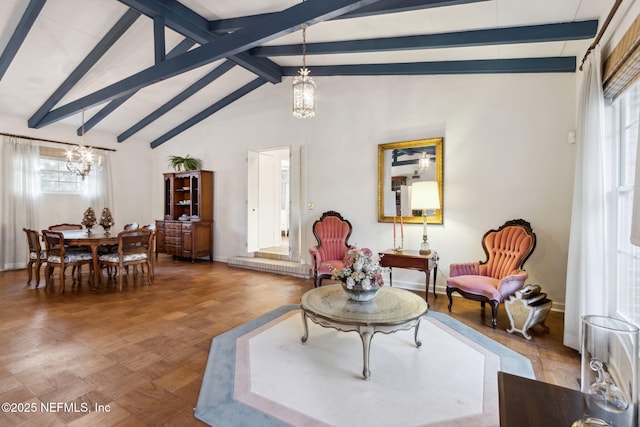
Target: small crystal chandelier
423 161
80 157
304 86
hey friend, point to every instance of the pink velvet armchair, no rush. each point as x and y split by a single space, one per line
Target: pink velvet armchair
501 275
332 233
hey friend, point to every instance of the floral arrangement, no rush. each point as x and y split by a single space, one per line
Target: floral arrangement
89 218
360 268
106 219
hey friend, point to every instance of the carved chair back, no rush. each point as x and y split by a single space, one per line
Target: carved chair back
332 233
507 248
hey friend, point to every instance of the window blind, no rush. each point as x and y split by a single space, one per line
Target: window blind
622 67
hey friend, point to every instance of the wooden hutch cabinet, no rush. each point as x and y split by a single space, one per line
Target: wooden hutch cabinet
187 227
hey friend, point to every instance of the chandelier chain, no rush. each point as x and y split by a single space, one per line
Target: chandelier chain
304 45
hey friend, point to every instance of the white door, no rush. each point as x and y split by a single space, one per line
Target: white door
268 200
252 201
270 194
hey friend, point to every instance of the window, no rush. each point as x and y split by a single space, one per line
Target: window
625 115
54 175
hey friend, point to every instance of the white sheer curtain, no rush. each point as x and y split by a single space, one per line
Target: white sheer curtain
98 189
586 291
20 181
635 217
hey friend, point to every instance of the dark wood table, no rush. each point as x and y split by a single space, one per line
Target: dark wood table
411 260
525 402
93 241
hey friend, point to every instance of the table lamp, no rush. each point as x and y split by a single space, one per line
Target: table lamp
424 195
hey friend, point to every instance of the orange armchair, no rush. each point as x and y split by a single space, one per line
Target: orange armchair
332 233
501 275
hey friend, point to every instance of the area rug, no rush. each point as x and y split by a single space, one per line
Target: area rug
260 374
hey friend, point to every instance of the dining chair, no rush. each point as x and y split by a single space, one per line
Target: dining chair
58 256
37 256
65 226
112 271
151 227
134 248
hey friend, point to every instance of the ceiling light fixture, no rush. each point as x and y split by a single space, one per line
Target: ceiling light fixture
423 161
80 157
304 86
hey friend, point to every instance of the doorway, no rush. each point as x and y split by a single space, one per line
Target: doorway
272 183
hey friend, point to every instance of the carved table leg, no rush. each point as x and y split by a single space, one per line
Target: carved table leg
306 328
366 334
415 336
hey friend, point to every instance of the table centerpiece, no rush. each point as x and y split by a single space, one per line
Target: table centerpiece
106 220
89 219
361 275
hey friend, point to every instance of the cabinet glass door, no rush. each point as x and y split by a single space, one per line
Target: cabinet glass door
195 197
168 214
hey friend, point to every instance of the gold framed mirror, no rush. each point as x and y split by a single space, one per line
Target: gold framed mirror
399 165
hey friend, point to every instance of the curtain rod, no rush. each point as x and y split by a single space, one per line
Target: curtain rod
607 21
50 140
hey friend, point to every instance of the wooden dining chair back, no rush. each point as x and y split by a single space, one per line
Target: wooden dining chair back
59 256
37 256
65 226
152 227
134 248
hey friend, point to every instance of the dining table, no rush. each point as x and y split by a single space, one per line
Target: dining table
92 240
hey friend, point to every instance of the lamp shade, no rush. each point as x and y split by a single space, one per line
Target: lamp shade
424 195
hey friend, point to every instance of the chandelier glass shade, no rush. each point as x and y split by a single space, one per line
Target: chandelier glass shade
423 162
303 86
80 158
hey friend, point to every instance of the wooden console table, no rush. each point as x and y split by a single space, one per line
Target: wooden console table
411 260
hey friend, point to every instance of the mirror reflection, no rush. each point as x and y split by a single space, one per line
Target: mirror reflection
400 164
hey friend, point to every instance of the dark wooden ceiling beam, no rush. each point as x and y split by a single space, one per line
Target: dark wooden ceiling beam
498 36
562 64
181 47
287 21
19 34
109 39
159 48
223 26
188 23
232 97
178 99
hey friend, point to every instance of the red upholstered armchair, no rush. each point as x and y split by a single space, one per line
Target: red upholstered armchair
332 233
501 275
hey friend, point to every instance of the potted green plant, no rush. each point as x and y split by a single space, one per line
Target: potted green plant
183 163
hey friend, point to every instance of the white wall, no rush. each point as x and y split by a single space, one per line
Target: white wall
506 156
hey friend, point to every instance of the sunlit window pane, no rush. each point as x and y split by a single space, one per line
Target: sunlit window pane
55 178
625 115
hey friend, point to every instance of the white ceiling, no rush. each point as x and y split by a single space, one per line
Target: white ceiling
65 31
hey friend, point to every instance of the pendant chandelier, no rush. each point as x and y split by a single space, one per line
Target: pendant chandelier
304 86
80 157
423 161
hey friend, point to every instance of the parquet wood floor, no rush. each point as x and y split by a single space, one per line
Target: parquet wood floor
141 353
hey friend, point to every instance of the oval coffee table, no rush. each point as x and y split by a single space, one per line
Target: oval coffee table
391 310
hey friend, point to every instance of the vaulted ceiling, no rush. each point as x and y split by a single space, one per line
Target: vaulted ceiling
154 68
